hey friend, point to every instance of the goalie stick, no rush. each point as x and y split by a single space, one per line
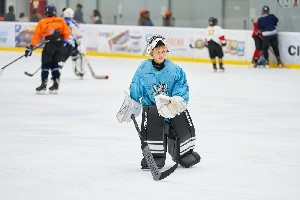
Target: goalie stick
92 71
157 175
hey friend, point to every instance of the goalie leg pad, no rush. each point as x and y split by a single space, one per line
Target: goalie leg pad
184 132
152 132
78 64
173 142
189 159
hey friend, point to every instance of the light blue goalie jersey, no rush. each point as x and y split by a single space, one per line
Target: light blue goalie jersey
148 82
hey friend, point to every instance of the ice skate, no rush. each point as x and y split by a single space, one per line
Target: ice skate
78 73
215 68
262 62
254 63
42 88
222 69
53 89
279 63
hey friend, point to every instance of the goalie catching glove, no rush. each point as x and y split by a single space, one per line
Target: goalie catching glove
169 107
128 108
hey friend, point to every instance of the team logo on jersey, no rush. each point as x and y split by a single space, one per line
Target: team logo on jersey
161 88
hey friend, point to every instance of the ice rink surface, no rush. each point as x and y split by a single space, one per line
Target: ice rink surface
70 146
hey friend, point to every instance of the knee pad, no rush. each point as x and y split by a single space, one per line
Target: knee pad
55 70
45 70
152 130
183 142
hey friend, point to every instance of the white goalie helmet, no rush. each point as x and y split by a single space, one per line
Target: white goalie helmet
68 13
152 42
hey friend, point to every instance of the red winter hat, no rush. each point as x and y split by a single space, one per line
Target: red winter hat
142 11
168 13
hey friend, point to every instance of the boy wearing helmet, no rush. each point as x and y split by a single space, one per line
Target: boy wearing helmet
214 41
78 49
267 24
160 88
56 33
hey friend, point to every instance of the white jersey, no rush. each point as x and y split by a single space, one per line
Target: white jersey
76 33
214 33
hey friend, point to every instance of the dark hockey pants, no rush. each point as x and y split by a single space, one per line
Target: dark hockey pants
273 41
51 55
177 136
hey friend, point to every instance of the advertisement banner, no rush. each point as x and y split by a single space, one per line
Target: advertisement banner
289 46
16 34
7 34
187 43
24 33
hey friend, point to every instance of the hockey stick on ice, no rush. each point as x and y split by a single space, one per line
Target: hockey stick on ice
194 47
157 175
1 70
92 71
31 74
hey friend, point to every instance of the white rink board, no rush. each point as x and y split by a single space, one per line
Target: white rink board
132 40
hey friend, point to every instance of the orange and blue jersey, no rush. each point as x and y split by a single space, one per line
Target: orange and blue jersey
49 25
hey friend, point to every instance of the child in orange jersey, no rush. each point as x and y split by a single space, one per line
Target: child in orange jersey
56 34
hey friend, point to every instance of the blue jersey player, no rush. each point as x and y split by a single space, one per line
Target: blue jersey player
160 88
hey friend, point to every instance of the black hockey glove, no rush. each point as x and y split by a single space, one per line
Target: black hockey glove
28 51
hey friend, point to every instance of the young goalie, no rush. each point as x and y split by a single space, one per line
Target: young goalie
159 87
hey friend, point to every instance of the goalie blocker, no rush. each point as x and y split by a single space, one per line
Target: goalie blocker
175 136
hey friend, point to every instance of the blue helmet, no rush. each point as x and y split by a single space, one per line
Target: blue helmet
266 9
50 9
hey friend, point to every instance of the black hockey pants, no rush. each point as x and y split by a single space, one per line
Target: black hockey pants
177 136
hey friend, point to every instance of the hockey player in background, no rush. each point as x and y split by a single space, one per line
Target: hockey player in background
267 24
167 19
77 50
214 41
257 37
78 47
56 33
160 88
